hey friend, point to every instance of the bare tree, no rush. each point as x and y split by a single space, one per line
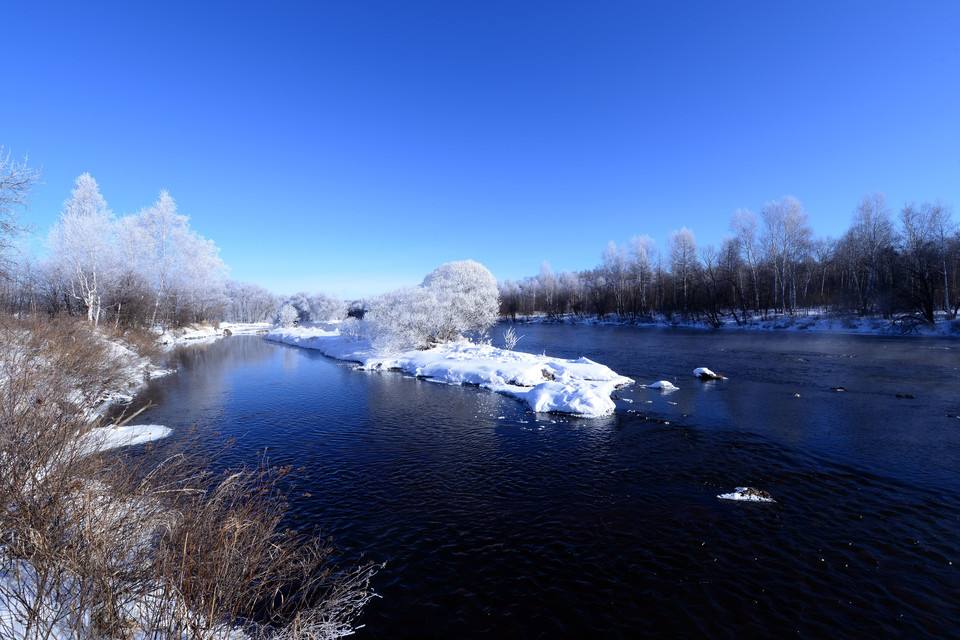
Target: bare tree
787 239
744 226
16 179
869 239
683 259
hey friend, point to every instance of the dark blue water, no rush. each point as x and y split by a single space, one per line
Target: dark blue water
495 522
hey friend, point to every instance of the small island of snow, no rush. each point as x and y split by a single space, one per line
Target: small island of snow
580 387
665 386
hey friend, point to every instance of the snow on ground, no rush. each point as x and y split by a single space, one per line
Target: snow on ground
580 387
197 333
106 438
803 321
135 370
747 494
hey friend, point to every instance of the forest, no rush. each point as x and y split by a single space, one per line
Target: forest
147 268
904 267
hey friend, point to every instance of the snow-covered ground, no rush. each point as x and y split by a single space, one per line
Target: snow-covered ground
198 333
135 371
807 321
106 438
579 387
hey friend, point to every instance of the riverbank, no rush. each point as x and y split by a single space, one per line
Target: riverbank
198 333
579 387
808 321
119 571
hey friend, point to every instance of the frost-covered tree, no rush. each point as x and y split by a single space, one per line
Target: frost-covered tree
159 226
82 243
287 315
403 319
642 249
456 299
248 302
182 269
16 178
467 298
301 308
324 308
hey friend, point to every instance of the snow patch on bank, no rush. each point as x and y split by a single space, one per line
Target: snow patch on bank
133 370
580 387
106 438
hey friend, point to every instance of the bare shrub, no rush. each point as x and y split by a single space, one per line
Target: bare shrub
510 339
107 546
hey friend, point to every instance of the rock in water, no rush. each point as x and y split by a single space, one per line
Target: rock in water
663 385
706 374
747 494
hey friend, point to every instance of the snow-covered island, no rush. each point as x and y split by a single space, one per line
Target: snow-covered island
580 387
422 331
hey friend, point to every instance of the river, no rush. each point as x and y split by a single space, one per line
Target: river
495 522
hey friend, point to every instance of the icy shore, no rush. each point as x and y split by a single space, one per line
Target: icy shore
580 387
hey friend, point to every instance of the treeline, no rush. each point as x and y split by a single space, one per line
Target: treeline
143 269
903 266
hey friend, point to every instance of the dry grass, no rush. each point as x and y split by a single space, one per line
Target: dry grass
96 546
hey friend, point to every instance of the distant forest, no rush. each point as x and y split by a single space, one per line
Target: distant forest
904 267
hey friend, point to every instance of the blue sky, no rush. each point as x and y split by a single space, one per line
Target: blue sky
352 146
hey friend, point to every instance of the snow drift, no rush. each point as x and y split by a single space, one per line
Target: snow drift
580 387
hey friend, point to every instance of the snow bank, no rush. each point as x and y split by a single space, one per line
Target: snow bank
134 371
747 494
199 333
581 387
106 438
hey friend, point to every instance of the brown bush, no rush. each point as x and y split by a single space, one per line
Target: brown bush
98 546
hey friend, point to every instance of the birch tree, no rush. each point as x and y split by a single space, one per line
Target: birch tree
82 241
787 238
683 259
744 227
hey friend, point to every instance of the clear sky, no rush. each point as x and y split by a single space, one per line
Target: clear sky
352 146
